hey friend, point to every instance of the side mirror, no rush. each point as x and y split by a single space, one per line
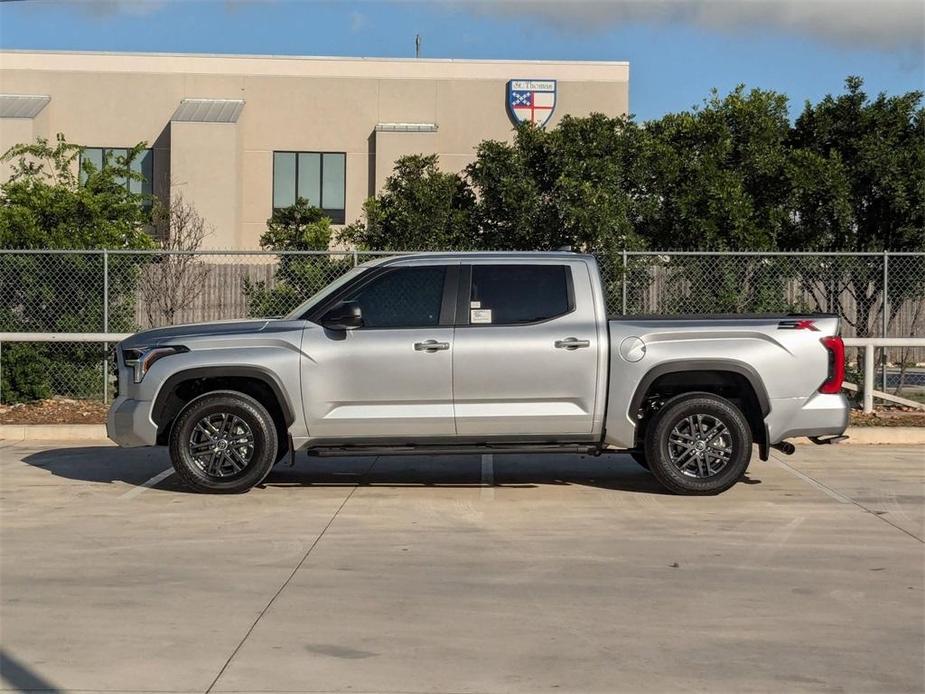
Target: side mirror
343 316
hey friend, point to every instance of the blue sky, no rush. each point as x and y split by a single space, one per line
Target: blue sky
678 49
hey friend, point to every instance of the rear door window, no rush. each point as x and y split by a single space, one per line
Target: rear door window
517 294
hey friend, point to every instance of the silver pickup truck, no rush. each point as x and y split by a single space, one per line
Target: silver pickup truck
479 352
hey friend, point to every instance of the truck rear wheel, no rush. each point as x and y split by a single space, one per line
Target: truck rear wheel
698 444
223 442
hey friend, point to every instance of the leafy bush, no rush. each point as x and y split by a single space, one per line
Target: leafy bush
24 374
45 206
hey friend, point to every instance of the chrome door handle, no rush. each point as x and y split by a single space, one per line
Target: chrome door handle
431 346
572 343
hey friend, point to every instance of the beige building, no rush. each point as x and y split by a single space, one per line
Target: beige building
239 135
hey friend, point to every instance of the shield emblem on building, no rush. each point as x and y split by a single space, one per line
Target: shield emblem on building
531 101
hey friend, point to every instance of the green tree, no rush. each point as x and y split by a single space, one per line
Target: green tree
300 227
511 206
875 149
574 186
715 174
44 205
714 180
857 183
420 208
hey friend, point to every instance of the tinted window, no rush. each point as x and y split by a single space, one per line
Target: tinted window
310 177
142 164
509 294
319 177
283 179
402 298
332 183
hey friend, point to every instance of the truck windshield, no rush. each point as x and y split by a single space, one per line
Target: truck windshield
301 309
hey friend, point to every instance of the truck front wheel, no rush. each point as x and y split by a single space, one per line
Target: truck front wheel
698 444
223 442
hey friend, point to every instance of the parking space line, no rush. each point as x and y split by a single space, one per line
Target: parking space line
285 583
487 492
838 496
145 486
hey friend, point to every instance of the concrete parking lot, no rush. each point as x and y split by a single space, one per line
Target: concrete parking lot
463 574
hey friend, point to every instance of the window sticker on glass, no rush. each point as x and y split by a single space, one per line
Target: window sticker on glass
480 315
475 304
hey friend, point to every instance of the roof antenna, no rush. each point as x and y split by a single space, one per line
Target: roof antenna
417 45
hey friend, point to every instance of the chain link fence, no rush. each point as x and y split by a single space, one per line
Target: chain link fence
876 294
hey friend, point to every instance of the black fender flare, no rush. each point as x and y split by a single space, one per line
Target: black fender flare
689 365
265 376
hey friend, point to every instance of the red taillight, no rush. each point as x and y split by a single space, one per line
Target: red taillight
836 349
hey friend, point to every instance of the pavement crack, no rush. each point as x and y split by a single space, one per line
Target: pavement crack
285 583
842 498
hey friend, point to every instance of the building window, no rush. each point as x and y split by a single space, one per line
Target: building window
319 177
143 164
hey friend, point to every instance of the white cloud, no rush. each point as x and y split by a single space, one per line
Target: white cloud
888 24
882 24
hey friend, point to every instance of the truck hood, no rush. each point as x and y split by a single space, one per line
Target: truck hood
175 333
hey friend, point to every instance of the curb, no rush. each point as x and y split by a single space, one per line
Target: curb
52 432
895 436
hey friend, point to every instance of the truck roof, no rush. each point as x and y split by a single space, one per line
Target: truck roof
481 255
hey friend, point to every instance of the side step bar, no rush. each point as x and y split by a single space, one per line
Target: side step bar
342 451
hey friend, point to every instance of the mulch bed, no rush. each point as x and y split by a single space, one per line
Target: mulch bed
889 417
57 411
64 411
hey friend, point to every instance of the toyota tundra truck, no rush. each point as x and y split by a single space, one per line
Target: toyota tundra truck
479 352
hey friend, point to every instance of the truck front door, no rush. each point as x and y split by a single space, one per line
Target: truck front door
391 377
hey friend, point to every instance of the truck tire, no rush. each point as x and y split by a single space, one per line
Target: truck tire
223 442
698 444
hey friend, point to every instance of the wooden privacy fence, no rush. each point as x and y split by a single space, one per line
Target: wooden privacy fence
221 293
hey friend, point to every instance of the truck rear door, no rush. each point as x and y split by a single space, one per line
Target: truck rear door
525 360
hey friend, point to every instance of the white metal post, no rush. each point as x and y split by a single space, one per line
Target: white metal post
885 323
869 350
870 345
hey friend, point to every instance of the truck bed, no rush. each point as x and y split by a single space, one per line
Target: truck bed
780 354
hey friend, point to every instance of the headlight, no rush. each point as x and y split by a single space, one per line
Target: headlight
140 359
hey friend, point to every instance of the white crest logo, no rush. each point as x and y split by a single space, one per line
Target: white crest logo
531 101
